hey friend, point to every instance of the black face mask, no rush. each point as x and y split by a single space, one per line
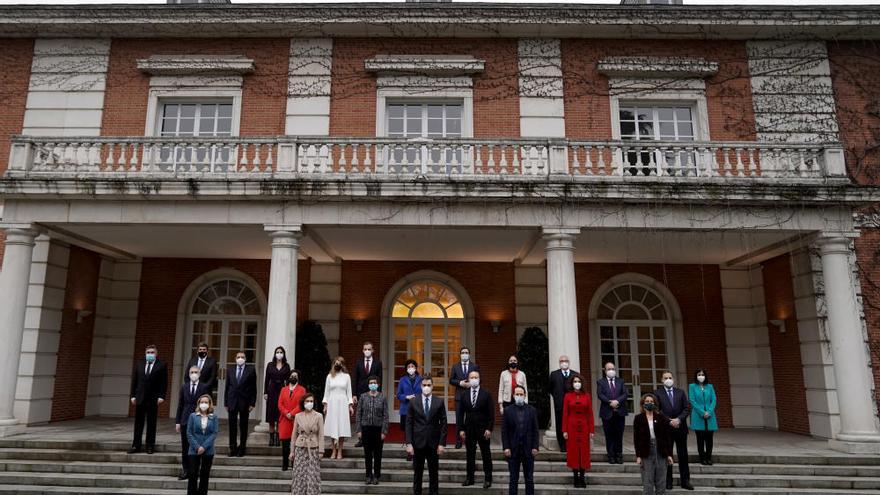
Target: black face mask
513 366
293 381
337 367
203 355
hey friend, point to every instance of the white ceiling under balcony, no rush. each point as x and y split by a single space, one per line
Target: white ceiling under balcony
325 243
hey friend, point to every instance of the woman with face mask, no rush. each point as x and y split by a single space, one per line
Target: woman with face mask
338 406
289 403
372 427
703 421
577 429
277 372
510 378
409 386
652 445
201 431
308 449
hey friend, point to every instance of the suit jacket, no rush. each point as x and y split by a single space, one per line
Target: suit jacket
642 435
558 387
510 429
679 408
606 395
186 402
426 430
241 394
458 374
478 417
152 387
359 378
208 373
201 438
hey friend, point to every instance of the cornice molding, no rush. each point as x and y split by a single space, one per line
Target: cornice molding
657 67
186 65
427 65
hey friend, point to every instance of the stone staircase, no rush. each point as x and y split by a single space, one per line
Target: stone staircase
84 467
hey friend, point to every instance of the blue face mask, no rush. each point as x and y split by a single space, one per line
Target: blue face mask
151 358
374 387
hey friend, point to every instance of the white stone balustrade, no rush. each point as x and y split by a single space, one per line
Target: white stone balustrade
290 155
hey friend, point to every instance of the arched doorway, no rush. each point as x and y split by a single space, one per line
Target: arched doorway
227 314
428 319
636 324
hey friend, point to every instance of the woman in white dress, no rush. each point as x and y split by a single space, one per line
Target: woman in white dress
337 406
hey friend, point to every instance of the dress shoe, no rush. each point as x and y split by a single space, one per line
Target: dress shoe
182 475
149 450
467 482
232 452
709 461
240 453
368 480
687 485
359 444
376 480
458 444
134 450
487 484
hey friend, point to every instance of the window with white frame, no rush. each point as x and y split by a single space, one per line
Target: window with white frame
639 122
178 119
436 120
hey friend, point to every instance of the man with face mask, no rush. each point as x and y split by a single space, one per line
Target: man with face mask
240 398
519 439
612 395
206 364
149 381
458 378
426 436
190 391
674 404
558 387
479 419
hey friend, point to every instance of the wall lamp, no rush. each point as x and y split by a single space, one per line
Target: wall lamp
82 314
780 324
496 325
358 325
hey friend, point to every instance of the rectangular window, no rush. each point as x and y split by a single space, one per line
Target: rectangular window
424 120
639 122
200 120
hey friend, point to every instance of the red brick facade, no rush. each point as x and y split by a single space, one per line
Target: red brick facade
163 283
75 344
785 348
697 290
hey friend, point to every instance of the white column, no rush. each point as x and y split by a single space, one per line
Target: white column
562 331
14 289
848 350
281 313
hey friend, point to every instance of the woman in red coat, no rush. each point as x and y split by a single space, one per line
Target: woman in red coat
578 428
289 400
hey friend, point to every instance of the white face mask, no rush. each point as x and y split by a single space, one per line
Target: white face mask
427 390
203 407
577 385
240 361
475 382
668 382
520 399
193 377
701 378
563 365
411 371
465 357
279 356
368 353
309 406
611 373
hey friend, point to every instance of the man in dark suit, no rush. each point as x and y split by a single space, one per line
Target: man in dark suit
241 397
458 378
674 404
519 439
479 419
149 381
190 391
365 367
558 387
426 435
207 366
612 394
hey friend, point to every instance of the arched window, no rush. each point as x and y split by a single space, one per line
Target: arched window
226 297
427 300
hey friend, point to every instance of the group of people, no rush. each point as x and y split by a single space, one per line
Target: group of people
299 429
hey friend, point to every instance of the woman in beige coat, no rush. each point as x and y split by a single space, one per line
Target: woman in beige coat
308 449
510 378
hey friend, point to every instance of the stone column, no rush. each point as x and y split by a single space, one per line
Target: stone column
562 328
14 280
858 425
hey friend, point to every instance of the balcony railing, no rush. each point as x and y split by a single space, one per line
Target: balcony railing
240 157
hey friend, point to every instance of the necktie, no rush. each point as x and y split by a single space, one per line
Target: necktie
201 363
669 393
427 406
238 375
149 369
465 369
474 397
565 374
192 390
612 384
367 366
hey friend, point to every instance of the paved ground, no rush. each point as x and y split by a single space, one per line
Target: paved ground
727 441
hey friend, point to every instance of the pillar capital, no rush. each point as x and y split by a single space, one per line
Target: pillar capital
20 233
285 236
559 237
835 242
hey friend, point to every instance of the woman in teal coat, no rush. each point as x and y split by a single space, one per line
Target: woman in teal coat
703 420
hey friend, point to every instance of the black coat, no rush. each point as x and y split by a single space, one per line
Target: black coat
480 416
559 387
426 430
152 387
359 378
458 374
679 408
186 402
208 374
510 428
642 435
240 395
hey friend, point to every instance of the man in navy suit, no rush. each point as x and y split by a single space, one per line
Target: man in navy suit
458 378
149 382
519 439
426 435
365 367
674 404
190 391
240 398
479 420
612 395
558 387
207 366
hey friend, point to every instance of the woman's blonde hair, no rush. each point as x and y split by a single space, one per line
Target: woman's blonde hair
210 404
340 360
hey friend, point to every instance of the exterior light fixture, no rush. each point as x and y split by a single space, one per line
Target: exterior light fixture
496 325
780 324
